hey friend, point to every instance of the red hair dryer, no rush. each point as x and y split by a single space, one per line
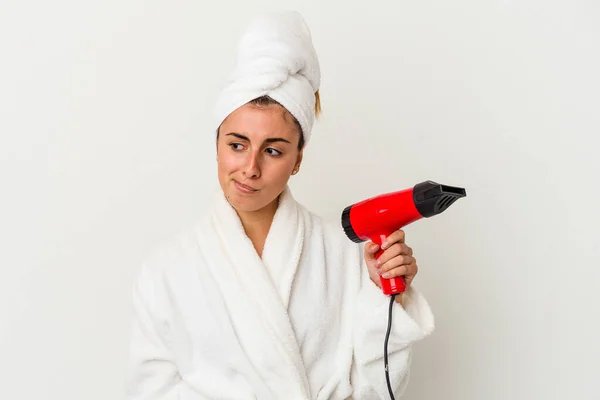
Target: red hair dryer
378 217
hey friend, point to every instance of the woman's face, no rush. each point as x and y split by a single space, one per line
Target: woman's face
257 150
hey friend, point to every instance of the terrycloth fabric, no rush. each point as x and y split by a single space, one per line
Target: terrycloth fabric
275 57
212 320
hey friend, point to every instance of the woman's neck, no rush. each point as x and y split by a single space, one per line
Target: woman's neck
258 223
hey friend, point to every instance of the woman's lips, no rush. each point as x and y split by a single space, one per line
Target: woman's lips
243 188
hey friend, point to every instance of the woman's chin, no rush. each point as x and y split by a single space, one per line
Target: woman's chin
249 204
244 204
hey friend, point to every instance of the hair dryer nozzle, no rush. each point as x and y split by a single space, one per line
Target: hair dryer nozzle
432 198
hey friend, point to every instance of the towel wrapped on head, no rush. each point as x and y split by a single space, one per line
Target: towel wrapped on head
275 58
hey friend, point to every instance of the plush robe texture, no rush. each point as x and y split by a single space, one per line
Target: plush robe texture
213 320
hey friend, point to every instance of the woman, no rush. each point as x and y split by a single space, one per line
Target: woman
262 299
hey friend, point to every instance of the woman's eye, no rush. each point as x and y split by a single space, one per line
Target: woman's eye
273 152
236 146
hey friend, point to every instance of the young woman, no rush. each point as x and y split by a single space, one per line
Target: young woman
262 299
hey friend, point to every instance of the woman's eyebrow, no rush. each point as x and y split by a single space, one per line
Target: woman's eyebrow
239 136
276 139
269 140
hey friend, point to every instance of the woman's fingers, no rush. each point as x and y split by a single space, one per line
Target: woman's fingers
394 251
402 265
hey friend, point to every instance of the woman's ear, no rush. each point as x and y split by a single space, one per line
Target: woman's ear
298 162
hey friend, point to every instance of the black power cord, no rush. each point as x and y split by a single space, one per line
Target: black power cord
385 347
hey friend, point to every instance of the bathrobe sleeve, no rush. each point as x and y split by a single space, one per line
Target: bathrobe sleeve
411 321
152 373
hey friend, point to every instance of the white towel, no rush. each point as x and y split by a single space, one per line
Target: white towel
275 57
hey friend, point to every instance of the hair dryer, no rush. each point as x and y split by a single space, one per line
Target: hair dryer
378 217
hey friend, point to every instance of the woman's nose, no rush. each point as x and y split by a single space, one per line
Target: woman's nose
252 169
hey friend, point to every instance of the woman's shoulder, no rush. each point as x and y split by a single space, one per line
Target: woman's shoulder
333 231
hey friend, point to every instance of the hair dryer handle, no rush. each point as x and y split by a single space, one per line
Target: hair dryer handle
388 285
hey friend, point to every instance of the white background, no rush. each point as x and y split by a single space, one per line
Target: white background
107 149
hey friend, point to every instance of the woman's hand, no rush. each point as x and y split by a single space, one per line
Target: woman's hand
396 260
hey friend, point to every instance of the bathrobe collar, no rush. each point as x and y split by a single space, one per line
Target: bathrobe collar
264 284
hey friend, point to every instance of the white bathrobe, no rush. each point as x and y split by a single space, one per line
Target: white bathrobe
213 320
